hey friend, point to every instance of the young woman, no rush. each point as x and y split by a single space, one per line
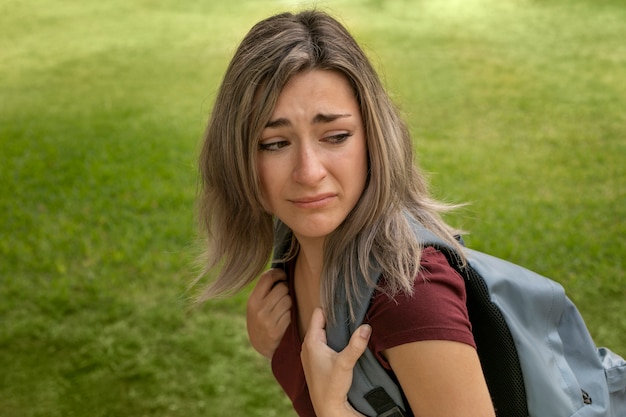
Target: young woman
302 132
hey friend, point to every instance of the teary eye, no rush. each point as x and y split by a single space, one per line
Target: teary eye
273 145
338 138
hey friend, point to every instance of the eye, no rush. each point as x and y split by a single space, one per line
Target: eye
338 138
273 145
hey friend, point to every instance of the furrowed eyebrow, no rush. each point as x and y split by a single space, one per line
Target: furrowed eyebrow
319 118
327 118
278 123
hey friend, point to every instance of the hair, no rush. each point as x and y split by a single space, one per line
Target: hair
376 232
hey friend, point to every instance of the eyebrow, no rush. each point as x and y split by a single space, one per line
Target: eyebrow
319 118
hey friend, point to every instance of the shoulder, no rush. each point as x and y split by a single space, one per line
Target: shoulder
436 310
435 282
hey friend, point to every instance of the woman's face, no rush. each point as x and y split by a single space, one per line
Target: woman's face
312 156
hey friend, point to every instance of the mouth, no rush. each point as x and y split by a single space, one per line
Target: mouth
314 201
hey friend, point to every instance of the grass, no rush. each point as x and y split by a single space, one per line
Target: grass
516 107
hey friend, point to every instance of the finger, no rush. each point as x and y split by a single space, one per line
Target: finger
277 331
357 345
283 321
278 290
281 282
280 317
316 331
265 283
276 302
271 277
318 319
282 306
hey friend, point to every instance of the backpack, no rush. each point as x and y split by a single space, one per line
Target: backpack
537 355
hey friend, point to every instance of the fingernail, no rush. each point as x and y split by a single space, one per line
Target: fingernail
365 331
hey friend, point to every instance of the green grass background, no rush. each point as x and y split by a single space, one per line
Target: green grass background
517 106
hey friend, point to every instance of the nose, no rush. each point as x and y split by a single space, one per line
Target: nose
309 167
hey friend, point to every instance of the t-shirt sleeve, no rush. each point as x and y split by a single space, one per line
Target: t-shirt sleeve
435 311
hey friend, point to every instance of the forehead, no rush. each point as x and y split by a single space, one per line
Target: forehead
315 90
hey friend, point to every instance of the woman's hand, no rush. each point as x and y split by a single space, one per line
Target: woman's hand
268 312
329 373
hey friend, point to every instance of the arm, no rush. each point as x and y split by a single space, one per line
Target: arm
441 379
329 373
268 312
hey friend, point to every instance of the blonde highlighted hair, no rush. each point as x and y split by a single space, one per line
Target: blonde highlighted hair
239 232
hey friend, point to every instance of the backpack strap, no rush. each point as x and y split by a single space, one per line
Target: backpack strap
373 392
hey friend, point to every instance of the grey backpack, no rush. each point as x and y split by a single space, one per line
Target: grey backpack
535 350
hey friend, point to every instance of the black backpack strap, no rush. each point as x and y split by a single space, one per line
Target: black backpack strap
496 347
383 404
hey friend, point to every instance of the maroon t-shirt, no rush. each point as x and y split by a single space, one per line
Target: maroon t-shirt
436 311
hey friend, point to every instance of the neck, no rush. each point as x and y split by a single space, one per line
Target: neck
307 282
311 258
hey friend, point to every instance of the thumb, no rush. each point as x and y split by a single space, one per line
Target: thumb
317 331
357 345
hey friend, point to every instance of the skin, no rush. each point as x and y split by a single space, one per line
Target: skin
312 158
312 163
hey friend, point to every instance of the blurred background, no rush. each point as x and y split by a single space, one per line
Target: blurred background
517 107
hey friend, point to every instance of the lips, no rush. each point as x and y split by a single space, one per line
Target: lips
314 201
